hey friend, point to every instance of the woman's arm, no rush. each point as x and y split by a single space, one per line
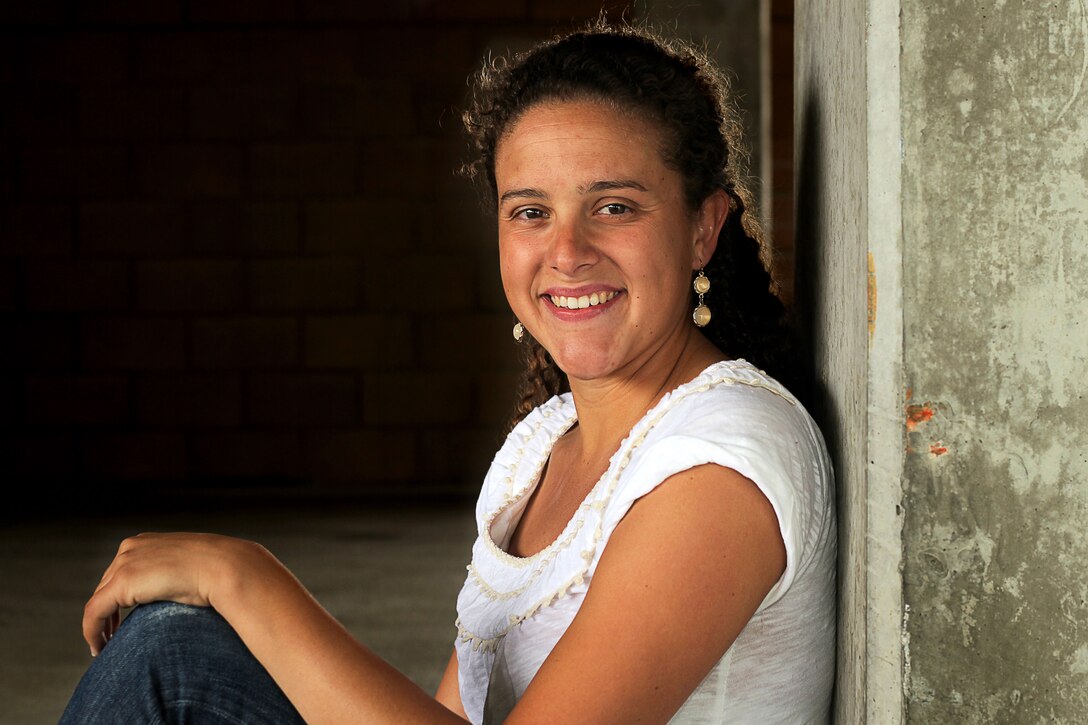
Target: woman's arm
325 672
680 577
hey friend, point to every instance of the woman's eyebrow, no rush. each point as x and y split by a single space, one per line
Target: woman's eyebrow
610 184
522 194
595 187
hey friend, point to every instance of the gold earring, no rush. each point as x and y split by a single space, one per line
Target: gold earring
701 314
519 331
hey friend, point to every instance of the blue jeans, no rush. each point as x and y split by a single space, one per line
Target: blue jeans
172 663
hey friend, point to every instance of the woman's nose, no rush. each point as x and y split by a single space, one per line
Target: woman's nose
571 249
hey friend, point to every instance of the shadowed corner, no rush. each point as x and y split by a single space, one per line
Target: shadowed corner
810 285
811 316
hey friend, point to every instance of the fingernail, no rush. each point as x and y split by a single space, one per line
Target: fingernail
93 653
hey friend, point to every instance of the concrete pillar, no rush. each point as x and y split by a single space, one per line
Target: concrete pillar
943 226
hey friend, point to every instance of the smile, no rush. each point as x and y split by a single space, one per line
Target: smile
581 303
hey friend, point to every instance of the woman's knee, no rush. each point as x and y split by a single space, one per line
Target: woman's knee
177 646
164 635
167 657
170 615
136 669
168 624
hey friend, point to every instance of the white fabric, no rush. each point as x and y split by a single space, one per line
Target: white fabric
780 668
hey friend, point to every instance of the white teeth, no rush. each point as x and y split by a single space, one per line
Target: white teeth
580 303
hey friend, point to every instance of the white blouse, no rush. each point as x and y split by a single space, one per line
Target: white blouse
513 610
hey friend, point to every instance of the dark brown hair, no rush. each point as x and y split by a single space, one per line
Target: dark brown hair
680 90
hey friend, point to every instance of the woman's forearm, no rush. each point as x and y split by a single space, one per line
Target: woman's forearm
327 674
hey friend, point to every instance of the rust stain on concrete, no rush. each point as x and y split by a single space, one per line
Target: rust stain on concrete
917 414
937 449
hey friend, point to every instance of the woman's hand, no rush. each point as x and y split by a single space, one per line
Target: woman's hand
185 568
324 671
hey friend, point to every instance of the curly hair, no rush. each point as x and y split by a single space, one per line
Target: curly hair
679 89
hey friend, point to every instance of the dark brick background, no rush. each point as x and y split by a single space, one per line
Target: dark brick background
234 255
234 252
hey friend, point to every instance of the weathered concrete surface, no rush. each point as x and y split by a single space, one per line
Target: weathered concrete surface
829 95
884 652
995 288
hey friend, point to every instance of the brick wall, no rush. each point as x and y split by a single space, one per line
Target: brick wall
233 250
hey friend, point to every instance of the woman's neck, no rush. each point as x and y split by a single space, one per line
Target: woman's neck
609 407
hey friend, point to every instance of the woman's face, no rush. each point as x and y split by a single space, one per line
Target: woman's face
596 242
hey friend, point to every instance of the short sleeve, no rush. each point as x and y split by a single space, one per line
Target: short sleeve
762 434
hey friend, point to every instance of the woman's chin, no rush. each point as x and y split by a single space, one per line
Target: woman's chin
585 365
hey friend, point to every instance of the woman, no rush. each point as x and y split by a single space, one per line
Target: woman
656 543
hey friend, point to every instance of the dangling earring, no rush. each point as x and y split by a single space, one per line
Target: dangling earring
701 314
519 331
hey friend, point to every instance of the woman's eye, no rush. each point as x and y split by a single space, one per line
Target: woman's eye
614 209
529 214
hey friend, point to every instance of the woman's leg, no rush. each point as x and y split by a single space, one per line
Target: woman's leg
172 663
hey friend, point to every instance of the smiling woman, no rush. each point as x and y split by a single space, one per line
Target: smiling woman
656 539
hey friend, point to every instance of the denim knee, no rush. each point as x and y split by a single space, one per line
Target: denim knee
173 662
159 621
168 624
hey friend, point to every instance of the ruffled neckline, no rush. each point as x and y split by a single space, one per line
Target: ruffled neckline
539 432
503 590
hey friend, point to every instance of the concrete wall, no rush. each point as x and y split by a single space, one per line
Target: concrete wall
947 142
995 281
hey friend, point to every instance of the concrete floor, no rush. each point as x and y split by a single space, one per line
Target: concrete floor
390 575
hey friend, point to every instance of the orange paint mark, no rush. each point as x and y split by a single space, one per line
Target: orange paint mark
937 449
918 414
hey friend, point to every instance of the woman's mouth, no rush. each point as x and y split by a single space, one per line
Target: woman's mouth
582 302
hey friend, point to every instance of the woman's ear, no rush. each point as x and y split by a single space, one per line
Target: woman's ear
709 220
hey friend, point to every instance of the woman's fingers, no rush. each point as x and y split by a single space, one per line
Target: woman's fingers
102 613
98 617
93 634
